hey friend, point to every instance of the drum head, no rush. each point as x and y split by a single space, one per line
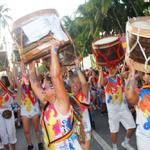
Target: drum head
36 26
106 40
108 51
139 26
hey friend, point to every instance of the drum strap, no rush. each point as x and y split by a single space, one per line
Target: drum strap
5 88
66 136
80 103
146 86
29 94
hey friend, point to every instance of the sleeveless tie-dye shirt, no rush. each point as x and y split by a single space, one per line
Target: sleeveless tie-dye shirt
57 126
114 91
6 101
85 113
27 103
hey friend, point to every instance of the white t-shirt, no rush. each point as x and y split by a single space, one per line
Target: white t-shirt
6 102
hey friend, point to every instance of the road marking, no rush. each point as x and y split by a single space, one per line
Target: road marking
101 141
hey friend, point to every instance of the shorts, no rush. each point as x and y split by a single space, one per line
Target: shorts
142 144
87 136
7 130
30 114
15 107
86 124
123 116
1 146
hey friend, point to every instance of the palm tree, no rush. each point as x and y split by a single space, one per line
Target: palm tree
102 16
87 24
4 18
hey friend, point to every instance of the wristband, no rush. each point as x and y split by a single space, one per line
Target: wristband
55 50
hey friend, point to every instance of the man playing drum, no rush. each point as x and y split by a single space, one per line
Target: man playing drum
138 58
117 107
109 52
141 99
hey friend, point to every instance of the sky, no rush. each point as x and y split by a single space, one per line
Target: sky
20 8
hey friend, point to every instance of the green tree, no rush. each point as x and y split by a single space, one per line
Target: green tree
101 16
87 23
147 11
4 18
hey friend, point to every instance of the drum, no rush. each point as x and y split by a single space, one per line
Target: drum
108 51
3 60
138 42
33 34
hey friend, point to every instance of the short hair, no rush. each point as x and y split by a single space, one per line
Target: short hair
73 75
5 80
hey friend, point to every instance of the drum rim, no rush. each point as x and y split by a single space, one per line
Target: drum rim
117 40
134 30
27 18
141 67
97 47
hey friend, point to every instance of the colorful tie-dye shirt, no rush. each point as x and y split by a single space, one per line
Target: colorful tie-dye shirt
58 125
6 101
143 112
26 102
114 91
85 113
81 97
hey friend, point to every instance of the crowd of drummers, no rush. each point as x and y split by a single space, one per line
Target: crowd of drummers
60 103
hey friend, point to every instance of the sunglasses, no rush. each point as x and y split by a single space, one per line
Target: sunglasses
143 73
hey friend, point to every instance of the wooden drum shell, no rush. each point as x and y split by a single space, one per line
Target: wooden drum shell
133 33
112 51
40 48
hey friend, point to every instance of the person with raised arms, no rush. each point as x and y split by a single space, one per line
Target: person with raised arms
140 98
57 118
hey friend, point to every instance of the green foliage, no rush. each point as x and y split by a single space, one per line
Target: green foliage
105 16
147 11
4 17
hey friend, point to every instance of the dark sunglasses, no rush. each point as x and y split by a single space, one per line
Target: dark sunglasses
143 73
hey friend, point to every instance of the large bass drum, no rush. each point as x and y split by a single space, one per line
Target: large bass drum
108 51
138 42
33 34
